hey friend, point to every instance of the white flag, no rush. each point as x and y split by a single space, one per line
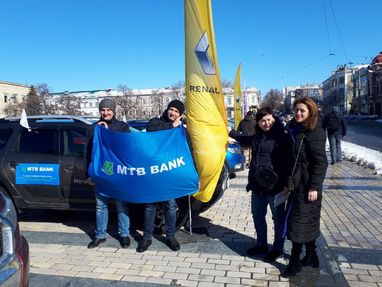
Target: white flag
24 120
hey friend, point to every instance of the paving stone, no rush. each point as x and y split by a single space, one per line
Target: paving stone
350 247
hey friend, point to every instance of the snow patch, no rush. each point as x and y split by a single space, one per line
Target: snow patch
363 156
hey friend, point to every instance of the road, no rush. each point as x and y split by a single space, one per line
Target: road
365 133
350 248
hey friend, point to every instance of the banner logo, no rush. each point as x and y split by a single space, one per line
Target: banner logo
108 168
202 55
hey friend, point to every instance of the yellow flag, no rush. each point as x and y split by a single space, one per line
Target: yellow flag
237 96
206 114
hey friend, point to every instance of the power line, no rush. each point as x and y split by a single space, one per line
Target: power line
326 28
338 30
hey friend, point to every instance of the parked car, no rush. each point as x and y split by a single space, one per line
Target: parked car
14 249
60 143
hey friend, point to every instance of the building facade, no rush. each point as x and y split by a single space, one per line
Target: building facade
250 100
313 91
338 89
375 102
11 93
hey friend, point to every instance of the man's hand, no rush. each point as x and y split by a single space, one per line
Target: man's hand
312 195
103 124
177 122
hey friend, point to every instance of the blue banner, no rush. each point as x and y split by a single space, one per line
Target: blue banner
143 167
38 173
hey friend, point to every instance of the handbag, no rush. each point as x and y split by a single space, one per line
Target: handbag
291 183
266 177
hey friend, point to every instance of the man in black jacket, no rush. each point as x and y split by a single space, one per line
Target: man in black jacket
107 110
247 128
335 125
171 118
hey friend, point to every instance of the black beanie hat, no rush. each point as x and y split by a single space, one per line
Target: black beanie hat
107 103
178 105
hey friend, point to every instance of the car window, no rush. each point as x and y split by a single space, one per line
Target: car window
74 142
36 141
5 134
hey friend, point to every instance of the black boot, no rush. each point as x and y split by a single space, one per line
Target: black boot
311 258
294 266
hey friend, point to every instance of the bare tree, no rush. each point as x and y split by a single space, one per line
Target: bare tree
227 84
273 99
178 90
69 105
14 108
48 107
158 104
127 101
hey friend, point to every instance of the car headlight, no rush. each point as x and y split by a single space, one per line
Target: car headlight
234 150
8 223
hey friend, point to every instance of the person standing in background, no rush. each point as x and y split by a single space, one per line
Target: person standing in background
335 125
247 128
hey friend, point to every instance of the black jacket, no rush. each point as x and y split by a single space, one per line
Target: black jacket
158 124
304 217
269 149
342 129
247 126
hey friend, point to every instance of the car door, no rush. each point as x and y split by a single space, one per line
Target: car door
32 167
73 151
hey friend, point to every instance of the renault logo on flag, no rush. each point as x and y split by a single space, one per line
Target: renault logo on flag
202 55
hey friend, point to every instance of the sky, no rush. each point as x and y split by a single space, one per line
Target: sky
80 45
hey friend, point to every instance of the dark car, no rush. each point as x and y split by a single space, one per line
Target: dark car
14 249
58 145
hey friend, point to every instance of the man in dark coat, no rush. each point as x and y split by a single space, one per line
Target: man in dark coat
107 110
247 128
247 125
171 118
335 125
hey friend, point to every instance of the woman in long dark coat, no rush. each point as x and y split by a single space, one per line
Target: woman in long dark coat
304 204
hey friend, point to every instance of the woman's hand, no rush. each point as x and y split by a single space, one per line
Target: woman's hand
312 195
229 129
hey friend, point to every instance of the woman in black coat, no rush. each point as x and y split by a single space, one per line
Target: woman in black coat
304 204
268 146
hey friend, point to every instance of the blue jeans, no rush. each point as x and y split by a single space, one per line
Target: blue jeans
169 214
259 210
102 216
335 147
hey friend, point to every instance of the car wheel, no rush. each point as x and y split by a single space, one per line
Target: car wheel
181 215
